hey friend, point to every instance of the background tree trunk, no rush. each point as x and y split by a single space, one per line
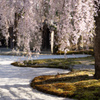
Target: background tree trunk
45 37
97 47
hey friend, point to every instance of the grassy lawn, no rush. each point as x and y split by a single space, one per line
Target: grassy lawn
78 84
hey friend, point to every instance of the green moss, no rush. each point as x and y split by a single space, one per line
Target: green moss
90 51
88 93
77 84
55 63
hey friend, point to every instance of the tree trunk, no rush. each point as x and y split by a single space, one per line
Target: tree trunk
97 47
45 37
52 42
11 43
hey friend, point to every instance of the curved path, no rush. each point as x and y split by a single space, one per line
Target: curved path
15 81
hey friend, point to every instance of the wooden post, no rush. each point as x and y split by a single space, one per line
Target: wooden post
52 41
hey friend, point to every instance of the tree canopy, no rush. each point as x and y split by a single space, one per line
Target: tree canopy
73 18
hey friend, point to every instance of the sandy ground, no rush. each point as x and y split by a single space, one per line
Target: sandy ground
15 81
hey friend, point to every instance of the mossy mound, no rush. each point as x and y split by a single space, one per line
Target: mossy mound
48 63
79 85
90 52
55 63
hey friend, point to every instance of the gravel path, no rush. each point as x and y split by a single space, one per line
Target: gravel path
14 81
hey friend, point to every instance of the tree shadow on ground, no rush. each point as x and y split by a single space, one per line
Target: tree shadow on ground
23 92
